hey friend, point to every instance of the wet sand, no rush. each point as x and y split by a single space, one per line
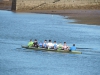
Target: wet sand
90 17
82 16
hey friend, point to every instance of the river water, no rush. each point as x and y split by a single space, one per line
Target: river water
17 29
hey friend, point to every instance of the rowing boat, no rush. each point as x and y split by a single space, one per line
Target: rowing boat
53 50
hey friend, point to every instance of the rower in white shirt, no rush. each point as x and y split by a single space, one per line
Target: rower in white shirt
50 44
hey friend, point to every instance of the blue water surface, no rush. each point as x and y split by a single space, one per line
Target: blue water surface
17 29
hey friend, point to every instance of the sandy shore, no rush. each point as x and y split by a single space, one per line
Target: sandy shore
82 16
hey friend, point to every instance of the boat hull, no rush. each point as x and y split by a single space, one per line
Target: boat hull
44 49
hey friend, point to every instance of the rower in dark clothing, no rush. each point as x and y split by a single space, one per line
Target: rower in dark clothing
35 44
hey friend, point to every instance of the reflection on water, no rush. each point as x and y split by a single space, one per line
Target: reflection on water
17 28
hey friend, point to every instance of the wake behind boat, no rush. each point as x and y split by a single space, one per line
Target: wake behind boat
53 50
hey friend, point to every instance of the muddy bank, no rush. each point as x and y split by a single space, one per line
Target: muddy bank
90 17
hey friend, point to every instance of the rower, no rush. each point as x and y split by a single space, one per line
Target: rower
35 44
45 44
59 46
55 45
30 43
73 48
65 47
40 44
50 44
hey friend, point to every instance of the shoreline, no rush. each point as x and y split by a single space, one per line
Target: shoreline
89 17
82 16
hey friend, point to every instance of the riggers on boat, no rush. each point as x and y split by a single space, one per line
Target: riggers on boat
53 50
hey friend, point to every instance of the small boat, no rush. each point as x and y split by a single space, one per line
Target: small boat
53 50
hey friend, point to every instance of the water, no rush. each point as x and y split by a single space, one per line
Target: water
17 28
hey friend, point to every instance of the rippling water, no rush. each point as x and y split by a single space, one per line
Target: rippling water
17 28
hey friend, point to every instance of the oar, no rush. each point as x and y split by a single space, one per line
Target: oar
82 48
18 48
